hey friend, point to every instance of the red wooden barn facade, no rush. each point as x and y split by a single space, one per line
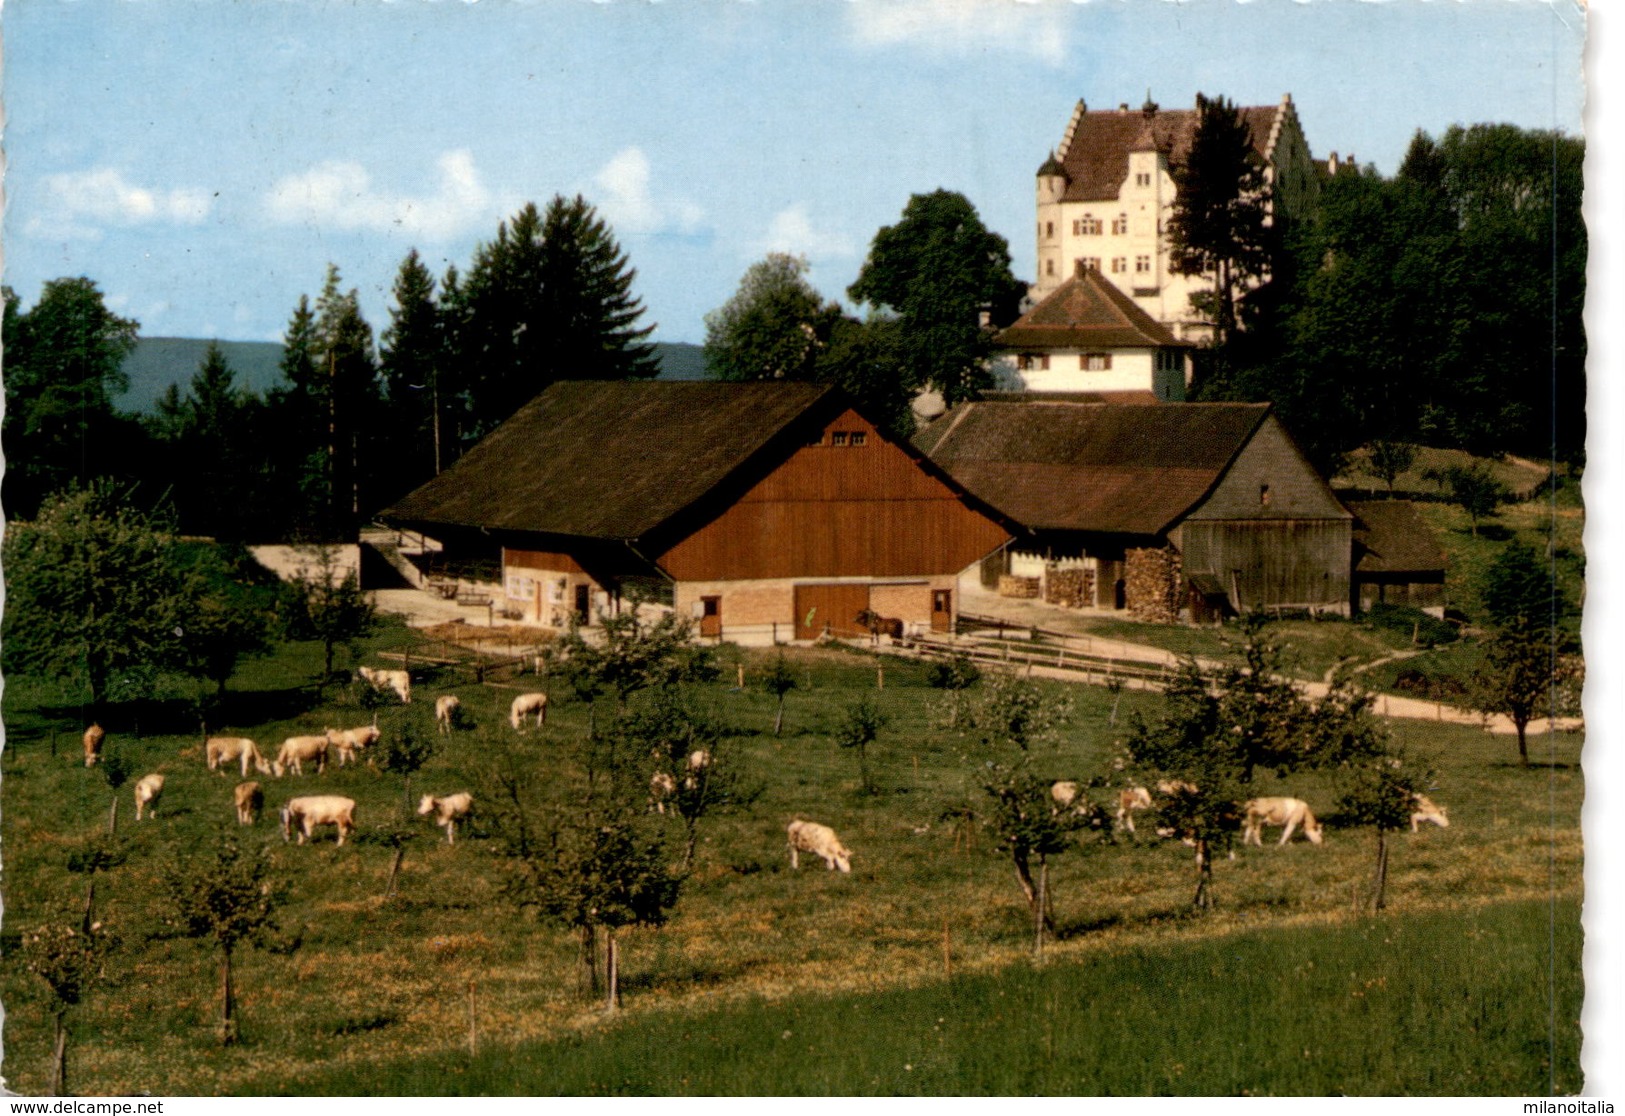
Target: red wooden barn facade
768 509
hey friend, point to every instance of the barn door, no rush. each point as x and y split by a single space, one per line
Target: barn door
711 617
942 610
829 608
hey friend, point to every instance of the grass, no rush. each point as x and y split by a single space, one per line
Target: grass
364 996
1280 1011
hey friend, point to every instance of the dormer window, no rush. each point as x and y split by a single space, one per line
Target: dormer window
837 438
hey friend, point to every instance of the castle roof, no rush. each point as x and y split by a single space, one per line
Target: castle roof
1087 312
1096 150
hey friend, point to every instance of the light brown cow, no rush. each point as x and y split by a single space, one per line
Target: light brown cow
1427 811
222 750
399 681
148 790
296 750
1130 799
347 742
308 811
448 810
820 840
94 735
445 712
1288 812
661 787
524 706
250 799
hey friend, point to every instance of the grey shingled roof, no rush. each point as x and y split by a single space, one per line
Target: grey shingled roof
610 459
1391 538
1109 468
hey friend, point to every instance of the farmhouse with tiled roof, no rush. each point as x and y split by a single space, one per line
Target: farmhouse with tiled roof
1087 335
1105 196
774 509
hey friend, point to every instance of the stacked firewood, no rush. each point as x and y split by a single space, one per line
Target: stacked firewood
1151 584
1012 585
1073 587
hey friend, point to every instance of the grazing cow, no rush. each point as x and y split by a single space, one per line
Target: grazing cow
524 706
445 712
308 811
1427 811
399 681
250 801
298 749
223 750
148 790
448 810
661 787
820 840
350 741
1130 799
1288 812
94 735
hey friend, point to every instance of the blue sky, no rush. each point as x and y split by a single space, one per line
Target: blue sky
203 162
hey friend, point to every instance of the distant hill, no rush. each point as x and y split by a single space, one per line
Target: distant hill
158 362
680 360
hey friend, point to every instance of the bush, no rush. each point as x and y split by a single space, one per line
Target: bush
1429 630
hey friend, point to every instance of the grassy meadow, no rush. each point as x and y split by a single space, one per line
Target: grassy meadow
913 974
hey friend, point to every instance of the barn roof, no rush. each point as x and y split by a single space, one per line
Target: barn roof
1110 468
1096 158
612 459
1087 312
1391 538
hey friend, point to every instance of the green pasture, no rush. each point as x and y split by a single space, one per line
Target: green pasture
373 995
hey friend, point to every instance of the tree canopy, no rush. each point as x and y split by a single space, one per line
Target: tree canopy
1220 223
773 328
939 271
64 364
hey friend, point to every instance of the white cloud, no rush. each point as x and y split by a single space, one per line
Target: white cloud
80 204
791 230
341 195
1034 27
627 202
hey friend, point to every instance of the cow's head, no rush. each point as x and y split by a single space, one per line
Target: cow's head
843 860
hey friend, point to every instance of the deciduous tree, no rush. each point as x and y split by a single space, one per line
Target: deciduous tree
227 896
775 327
939 271
93 592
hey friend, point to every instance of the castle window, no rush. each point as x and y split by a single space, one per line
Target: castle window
1142 264
1119 264
1095 362
1049 267
1087 263
1120 226
1143 178
1049 230
1089 226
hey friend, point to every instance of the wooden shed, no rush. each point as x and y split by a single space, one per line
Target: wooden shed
768 509
1212 503
1397 560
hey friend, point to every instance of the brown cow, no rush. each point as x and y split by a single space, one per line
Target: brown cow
93 744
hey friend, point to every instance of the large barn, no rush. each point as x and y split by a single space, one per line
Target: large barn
774 510
1208 507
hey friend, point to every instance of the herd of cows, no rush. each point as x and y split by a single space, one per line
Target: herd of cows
301 815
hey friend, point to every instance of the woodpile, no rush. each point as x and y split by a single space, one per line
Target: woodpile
1072 587
1151 580
1026 588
